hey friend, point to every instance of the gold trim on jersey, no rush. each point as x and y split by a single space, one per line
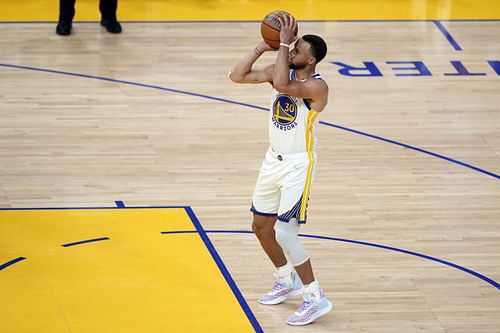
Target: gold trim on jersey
311 118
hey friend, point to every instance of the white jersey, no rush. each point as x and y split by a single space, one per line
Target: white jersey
292 122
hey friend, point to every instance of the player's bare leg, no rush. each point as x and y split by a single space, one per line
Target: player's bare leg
287 282
263 227
305 272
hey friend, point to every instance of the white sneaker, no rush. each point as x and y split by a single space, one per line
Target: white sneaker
281 291
310 310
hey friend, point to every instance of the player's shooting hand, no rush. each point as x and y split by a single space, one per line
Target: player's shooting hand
288 29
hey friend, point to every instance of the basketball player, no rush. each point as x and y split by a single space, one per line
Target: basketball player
281 194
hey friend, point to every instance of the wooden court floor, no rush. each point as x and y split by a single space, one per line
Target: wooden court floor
404 218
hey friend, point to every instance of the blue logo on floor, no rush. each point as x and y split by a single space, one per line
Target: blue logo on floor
414 68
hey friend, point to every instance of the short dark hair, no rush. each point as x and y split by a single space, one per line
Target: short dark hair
318 46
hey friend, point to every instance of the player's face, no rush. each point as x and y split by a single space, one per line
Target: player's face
298 57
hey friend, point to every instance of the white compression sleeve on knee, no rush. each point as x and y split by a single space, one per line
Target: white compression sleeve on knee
287 237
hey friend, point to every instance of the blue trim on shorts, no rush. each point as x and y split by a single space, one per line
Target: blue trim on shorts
256 212
284 220
294 212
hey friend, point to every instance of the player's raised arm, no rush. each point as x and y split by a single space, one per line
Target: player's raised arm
243 71
304 56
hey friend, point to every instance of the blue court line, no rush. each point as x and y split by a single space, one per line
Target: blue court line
224 270
12 262
179 232
449 159
86 241
424 256
416 254
131 83
120 204
448 36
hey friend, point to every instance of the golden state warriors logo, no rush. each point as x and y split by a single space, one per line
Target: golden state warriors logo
284 112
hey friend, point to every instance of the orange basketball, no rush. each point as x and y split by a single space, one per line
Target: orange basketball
270 28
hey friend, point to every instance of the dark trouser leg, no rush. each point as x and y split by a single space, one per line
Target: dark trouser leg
108 9
66 10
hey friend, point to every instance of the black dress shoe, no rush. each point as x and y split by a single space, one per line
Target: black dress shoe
63 28
112 26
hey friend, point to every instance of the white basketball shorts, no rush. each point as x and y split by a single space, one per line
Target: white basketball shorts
284 185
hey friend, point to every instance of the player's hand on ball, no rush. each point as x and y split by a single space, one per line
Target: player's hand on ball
288 29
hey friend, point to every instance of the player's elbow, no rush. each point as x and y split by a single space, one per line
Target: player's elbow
235 77
281 87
